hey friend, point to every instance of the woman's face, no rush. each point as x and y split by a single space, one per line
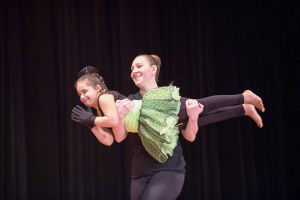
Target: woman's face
88 94
141 72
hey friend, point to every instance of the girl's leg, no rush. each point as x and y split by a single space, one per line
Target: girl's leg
211 103
219 101
226 113
216 116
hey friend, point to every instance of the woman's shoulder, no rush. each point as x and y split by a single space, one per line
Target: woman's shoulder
136 96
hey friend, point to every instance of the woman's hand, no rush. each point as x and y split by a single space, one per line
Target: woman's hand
123 107
193 109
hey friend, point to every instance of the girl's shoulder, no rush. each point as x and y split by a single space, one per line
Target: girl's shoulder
116 94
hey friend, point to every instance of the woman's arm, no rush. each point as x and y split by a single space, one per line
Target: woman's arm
123 108
119 131
193 109
104 135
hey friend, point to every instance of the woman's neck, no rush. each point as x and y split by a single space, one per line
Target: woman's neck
145 89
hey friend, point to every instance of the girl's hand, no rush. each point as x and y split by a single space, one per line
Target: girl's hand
193 108
123 107
82 116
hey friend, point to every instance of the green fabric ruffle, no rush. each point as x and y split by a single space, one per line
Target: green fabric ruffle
157 121
131 120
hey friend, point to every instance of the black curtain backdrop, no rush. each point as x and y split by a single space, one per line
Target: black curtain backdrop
207 48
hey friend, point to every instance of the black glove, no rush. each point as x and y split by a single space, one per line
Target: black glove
83 116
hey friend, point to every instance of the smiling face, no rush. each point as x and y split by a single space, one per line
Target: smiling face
88 94
141 72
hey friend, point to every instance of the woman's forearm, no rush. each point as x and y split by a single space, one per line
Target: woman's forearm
191 130
193 109
119 131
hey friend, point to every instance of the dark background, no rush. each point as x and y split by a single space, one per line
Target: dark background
207 48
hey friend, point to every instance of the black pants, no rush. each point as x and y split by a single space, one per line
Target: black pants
216 108
164 185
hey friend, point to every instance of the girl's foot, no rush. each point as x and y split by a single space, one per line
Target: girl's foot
251 112
251 98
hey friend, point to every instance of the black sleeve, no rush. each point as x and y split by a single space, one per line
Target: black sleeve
136 96
117 95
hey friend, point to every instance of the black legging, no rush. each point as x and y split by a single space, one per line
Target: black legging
164 185
216 108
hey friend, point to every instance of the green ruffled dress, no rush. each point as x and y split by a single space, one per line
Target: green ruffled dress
154 119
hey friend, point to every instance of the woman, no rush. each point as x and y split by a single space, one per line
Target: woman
153 180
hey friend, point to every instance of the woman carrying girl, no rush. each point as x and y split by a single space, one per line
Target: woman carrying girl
152 178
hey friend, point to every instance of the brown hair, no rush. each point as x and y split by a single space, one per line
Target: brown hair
92 80
153 60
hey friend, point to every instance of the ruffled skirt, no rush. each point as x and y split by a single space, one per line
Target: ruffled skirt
157 121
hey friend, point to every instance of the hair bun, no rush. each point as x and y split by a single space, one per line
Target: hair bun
88 70
157 59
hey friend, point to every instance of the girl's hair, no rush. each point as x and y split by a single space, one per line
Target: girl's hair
153 60
91 77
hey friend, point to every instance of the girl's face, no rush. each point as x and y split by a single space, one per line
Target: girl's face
141 72
88 94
